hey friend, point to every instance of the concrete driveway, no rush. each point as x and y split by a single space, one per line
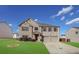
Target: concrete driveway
61 48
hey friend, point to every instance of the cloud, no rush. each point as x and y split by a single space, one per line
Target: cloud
72 21
64 11
62 18
36 20
71 13
10 24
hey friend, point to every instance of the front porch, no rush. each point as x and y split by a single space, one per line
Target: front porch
38 36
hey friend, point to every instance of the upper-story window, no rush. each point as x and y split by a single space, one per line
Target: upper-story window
25 28
76 32
49 29
36 28
43 28
55 29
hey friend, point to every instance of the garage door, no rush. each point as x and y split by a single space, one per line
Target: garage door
50 39
55 39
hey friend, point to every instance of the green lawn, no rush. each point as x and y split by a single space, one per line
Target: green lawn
22 47
75 44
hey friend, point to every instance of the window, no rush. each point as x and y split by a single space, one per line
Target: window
49 29
77 32
36 28
55 29
43 28
25 28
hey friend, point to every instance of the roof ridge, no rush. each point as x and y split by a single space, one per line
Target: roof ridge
39 23
75 27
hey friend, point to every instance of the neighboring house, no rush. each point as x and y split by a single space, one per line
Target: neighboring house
63 38
39 31
73 34
5 30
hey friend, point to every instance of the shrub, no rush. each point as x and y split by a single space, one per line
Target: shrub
25 38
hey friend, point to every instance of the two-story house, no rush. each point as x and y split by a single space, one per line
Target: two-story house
37 30
73 34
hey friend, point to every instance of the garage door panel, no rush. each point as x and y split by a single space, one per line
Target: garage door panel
50 39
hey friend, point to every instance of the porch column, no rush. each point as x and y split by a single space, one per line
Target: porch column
39 38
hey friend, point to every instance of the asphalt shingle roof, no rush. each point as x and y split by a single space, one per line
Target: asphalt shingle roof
39 23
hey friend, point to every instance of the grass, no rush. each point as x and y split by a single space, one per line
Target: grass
75 44
23 48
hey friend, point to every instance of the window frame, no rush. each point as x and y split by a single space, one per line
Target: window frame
25 28
35 28
44 28
49 29
55 29
76 32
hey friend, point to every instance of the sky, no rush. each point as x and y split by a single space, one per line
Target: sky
65 16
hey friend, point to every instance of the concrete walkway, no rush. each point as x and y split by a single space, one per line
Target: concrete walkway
61 48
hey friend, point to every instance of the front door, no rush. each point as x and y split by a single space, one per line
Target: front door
36 36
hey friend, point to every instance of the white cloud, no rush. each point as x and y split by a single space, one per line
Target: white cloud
72 21
36 20
64 11
10 24
71 13
62 18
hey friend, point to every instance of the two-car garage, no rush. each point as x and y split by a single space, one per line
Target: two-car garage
51 39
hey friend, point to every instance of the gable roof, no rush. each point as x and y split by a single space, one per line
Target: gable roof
39 23
3 22
24 21
76 28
